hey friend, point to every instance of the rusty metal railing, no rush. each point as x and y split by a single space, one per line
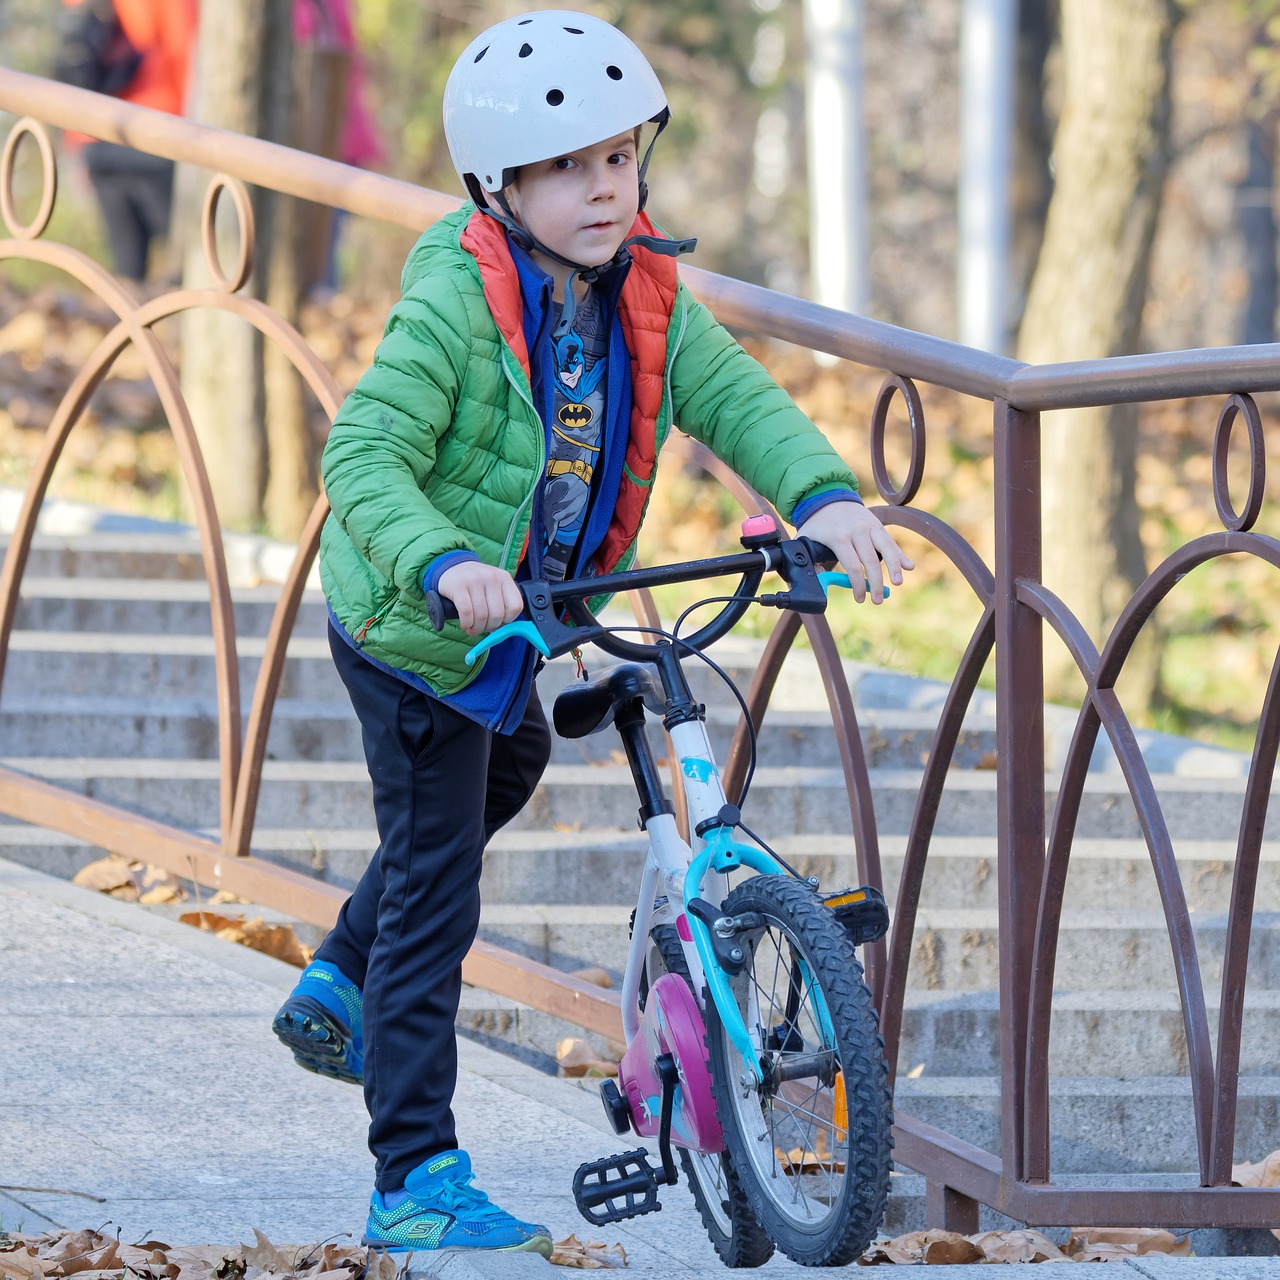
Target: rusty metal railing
1013 605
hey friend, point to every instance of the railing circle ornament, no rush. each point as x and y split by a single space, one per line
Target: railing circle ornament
1239 405
892 494
28 128
208 233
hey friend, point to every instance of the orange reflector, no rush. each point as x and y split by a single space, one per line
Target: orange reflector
844 899
840 1110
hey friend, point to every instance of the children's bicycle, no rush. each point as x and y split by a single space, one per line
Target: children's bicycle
753 1046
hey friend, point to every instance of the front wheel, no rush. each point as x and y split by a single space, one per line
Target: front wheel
810 1144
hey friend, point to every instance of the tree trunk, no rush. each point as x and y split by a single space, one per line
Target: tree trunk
221 355
1031 183
1255 216
1110 155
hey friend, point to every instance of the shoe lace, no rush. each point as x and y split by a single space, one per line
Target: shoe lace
458 1193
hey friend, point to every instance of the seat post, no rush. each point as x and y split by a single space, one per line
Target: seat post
628 719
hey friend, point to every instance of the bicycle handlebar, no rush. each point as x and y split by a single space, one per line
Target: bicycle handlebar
795 559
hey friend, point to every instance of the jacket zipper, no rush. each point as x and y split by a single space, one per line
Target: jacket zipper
527 397
671 359
376 617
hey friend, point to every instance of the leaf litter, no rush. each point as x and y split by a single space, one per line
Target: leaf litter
1023 1245
92 1255
133 881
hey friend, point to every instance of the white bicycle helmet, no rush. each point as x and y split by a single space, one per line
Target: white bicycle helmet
539 86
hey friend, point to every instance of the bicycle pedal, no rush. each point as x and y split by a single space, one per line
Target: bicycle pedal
863 913
617 1187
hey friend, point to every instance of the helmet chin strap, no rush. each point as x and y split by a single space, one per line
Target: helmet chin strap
587 274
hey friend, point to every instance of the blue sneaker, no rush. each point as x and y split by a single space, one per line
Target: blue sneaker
442 1210
323 1023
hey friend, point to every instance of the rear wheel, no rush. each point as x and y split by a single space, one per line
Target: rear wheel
736 1236
811 1144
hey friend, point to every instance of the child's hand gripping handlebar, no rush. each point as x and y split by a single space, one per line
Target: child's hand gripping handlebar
797 560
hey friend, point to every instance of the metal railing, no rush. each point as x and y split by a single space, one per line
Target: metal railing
1033 855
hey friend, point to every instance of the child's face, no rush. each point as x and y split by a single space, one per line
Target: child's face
581 205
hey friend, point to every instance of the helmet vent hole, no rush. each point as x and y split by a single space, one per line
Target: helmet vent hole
554 97
574 31
614 73
481 53
526 50
524 22
488 179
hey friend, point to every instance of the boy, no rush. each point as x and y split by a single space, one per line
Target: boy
509 427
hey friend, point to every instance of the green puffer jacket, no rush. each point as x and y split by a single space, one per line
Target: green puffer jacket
439 447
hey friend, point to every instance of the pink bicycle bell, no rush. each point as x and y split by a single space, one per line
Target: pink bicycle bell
671 1024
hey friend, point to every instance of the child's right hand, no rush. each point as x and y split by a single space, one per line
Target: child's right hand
485 596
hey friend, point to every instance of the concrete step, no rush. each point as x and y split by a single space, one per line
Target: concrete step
159 662
104 551
173 606
1125 1034
596 868
321 728
954 952
580 797
1099 1124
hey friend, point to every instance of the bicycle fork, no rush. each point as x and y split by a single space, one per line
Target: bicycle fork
665 1083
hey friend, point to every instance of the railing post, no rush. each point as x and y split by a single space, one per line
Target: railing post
946 1209
1020 759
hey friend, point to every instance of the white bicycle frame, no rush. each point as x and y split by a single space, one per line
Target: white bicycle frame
672 868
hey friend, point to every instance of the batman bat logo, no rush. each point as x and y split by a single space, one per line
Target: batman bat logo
575 415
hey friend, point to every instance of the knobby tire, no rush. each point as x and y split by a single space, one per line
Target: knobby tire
818 1188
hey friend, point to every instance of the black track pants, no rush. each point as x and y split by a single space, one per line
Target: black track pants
442 785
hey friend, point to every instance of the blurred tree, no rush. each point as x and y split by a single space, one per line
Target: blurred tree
243 83
1031 182
1110 155
1255 191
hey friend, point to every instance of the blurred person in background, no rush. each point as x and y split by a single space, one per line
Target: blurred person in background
335 119
140 51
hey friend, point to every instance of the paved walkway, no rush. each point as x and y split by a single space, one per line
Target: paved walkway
140 1086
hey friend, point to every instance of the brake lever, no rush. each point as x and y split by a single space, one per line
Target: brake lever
542 628
522 628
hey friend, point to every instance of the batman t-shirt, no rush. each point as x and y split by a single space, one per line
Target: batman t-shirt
578 408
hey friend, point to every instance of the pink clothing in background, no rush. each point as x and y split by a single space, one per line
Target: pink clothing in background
329 22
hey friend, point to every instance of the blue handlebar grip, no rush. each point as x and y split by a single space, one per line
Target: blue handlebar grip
523 628
830 579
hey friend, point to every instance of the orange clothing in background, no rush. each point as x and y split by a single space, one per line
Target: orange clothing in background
164 32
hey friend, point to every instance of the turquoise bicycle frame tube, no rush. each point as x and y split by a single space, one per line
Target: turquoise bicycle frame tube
723 853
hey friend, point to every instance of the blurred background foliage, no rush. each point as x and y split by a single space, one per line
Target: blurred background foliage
732 171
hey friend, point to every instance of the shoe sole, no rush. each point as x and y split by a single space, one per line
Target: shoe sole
539 1244
319 1042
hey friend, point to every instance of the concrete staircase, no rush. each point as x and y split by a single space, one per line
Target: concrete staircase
110 692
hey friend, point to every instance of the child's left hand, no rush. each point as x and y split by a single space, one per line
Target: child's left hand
856 536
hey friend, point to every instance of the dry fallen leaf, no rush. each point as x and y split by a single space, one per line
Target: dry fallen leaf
1266 1173
111 872
1111 1244
20 1263
576 1057
594 974
589 1255
935 1247
267 1257
278 940
132 881
1017 1246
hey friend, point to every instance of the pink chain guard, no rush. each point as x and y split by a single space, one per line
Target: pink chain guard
672 1023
